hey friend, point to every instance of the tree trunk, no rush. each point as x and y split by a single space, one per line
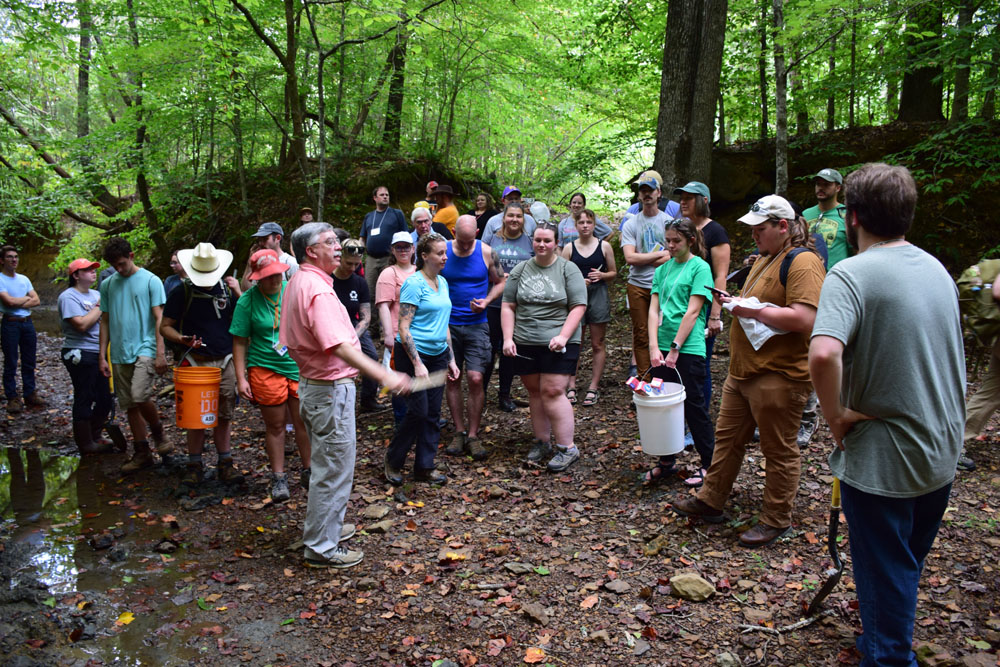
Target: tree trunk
831 101
241 171
960 110
722 120
366 104
340 72
851 99
923 89
83 76
692 63
781 104
988 109
765 93
394 104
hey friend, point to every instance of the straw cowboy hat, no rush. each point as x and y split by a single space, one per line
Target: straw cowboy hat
204 263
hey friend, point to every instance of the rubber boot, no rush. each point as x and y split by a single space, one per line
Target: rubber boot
83 437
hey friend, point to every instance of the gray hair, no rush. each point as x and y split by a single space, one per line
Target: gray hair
307 235
413 215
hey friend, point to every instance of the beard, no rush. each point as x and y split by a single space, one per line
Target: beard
852 236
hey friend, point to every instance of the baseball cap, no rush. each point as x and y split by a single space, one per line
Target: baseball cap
269 228
304 209
510 188
694 188
831 175
432 184
81 263
766 208
649 182
264 263
649 173
402 237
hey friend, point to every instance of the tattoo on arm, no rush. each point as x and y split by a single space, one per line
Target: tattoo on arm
495 268
406 313
365 312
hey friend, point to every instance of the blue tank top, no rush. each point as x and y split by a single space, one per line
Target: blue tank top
468 278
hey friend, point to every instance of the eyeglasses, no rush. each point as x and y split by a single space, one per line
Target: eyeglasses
332 241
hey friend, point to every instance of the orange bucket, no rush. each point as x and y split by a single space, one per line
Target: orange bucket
196 396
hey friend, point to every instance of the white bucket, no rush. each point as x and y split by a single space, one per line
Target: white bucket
661 420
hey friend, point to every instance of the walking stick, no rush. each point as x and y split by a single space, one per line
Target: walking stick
833 574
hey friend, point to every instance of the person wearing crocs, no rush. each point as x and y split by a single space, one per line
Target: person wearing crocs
79 315
543 303
197 318
896 410
596 260
680 300
767 387
132 301
265 374
474 280
321 340
423 346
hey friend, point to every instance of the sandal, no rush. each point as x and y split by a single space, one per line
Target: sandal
697 479
571 395
657 474
591 397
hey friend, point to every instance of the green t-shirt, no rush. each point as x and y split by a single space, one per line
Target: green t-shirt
544 297
904 364
257 319
831 225
675 284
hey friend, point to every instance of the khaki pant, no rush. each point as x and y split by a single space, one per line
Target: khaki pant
986 401
773 403
638 310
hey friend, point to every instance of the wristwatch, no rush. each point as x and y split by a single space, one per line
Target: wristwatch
674 347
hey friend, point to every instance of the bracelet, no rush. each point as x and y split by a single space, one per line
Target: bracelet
715 319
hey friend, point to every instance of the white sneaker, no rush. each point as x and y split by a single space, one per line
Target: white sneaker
341 557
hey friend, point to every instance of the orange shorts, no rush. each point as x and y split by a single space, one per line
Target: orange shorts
270 388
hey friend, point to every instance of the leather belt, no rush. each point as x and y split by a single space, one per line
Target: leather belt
14 318
327 383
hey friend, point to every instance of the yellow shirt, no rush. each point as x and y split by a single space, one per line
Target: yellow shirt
449 216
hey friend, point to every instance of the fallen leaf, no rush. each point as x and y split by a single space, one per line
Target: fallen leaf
590 601
126 618
533 655
289 573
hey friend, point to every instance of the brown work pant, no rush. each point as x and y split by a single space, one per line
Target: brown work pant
773 403
986 401
638 310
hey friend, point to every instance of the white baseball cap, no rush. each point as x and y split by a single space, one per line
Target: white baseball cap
767 208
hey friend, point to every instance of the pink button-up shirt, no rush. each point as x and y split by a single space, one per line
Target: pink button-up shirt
313 322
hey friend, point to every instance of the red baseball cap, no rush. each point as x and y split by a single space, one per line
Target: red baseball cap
265 263
81 263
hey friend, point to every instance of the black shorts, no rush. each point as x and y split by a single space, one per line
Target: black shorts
540 359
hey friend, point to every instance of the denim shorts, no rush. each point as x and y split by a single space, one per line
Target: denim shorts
471 343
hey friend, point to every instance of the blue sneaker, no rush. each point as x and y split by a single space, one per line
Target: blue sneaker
688 440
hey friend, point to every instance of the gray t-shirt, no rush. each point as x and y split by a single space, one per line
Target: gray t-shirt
896 312
647 235
544 297
494 224
74 304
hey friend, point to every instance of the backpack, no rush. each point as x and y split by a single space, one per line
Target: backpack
980 314
739 276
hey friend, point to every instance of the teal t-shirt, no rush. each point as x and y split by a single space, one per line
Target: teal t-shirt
131 324
257 319
429 327
675 284
831 225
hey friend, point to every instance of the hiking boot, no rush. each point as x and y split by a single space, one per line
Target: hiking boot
347 531
304 478
476 449
692 506
505 403
539 451
965 463
194 473
806 431
431 476
279 488
457 445
160 443
34 400
761 535
227 472
393 476
14 406
564 458
341 557
142 459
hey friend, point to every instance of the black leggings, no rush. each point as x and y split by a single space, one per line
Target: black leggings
692 370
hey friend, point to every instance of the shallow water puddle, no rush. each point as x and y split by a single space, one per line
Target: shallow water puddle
75 530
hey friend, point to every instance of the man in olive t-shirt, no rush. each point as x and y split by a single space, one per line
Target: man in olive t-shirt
891 379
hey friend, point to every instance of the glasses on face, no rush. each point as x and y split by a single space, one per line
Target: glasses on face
330 242
403 247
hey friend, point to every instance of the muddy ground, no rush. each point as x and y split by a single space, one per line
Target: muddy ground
503 565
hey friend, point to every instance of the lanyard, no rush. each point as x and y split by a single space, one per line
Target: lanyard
771 262
276 315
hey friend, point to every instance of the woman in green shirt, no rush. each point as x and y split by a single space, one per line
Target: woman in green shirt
678 311
265 373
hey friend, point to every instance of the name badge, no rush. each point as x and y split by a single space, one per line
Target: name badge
376 230
282 350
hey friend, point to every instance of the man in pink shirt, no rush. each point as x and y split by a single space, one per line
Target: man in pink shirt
318 333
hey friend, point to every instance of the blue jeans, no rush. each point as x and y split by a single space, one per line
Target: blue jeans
18 337
419 429
890 537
